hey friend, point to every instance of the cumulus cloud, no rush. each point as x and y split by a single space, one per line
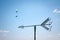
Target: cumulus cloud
5 31
56 11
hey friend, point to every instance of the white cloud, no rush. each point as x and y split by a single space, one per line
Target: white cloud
5 31
58 34
56 11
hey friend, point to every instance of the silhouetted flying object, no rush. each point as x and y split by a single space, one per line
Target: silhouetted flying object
16 12
16 16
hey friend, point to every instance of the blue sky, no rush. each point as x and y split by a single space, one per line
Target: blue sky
29 12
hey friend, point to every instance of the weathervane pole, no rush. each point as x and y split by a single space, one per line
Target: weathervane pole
34 32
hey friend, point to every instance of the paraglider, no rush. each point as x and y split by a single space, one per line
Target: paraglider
16 12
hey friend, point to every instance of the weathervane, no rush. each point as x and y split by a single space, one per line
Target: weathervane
44 24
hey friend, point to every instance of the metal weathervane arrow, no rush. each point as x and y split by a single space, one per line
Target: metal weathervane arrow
44 25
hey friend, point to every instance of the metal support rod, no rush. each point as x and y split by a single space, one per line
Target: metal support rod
35 32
